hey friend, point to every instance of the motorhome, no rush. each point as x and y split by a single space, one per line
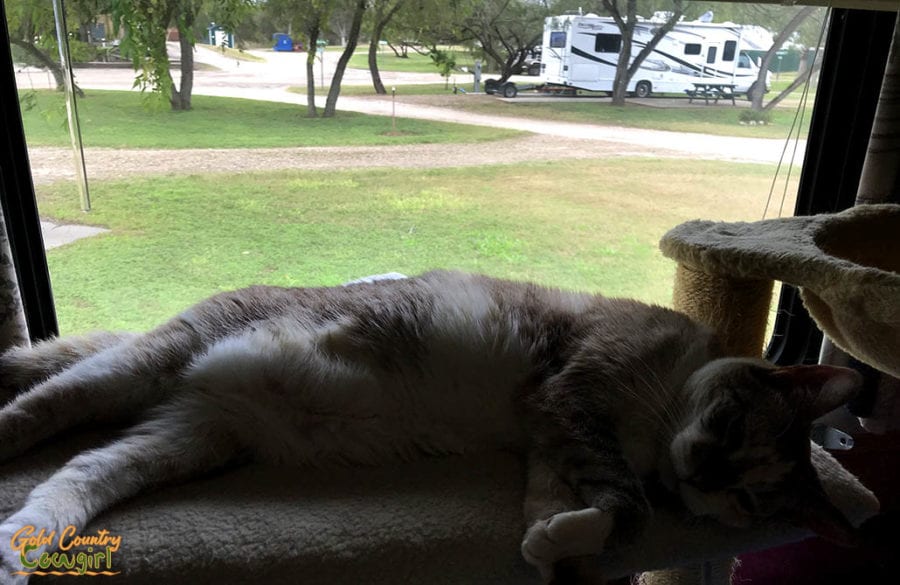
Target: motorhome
582 51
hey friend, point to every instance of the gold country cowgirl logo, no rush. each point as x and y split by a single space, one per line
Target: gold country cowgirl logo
69 553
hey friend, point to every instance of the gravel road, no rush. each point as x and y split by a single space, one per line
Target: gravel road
51 164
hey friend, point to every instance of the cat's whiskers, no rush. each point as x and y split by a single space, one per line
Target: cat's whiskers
651 410
655 398
665 397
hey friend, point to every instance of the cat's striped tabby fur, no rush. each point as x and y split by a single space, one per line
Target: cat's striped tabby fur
600 394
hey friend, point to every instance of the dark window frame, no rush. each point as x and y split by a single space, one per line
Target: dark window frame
20 212
846 98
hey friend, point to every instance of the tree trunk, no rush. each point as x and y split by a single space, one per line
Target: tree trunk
373 61
181 96
311 110
381 20
620 84
44 60
626 66
798 81
658 35
758 89
353 38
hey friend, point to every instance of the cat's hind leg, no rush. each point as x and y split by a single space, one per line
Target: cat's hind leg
108 386
182 441
23 367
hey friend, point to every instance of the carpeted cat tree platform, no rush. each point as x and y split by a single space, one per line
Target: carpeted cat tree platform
459 520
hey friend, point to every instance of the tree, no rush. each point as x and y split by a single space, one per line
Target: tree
146 24
758 89
626 20
309 17
505 30
422 24
359 9
33 30
382 13
340 20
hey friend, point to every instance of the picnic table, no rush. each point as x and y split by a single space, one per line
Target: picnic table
711 90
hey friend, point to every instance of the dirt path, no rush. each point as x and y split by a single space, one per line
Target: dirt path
51 164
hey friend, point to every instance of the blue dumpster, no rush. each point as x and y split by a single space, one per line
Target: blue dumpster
283 42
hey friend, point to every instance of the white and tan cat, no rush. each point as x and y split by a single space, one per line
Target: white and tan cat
600 394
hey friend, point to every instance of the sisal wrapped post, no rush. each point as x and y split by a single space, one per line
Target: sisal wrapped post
738 309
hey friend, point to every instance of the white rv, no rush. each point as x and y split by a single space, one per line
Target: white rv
581 52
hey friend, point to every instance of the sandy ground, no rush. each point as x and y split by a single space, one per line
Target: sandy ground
51 164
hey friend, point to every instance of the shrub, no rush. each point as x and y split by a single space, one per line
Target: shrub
755 117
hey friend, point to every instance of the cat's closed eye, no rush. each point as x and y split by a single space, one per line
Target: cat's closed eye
727 425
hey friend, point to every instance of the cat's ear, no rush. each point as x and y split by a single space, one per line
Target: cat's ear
817 513
819 389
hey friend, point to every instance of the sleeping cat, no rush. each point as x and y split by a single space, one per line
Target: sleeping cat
600 394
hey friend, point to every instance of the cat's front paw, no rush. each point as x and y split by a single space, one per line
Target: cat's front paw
564 535
10 562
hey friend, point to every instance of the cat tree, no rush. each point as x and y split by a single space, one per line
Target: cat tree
847 267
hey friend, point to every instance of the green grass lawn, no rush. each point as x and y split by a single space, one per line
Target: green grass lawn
412 63
590 225
119 119
717 120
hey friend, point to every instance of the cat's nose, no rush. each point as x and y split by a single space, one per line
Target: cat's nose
712 475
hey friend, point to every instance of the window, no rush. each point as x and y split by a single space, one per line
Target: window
591 224
729 50
204 176
744 61
711 55
607 43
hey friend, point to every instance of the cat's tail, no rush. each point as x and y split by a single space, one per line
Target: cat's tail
23 367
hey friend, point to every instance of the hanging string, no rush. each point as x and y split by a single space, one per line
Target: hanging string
796 124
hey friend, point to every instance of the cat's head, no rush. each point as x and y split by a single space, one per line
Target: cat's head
744 451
